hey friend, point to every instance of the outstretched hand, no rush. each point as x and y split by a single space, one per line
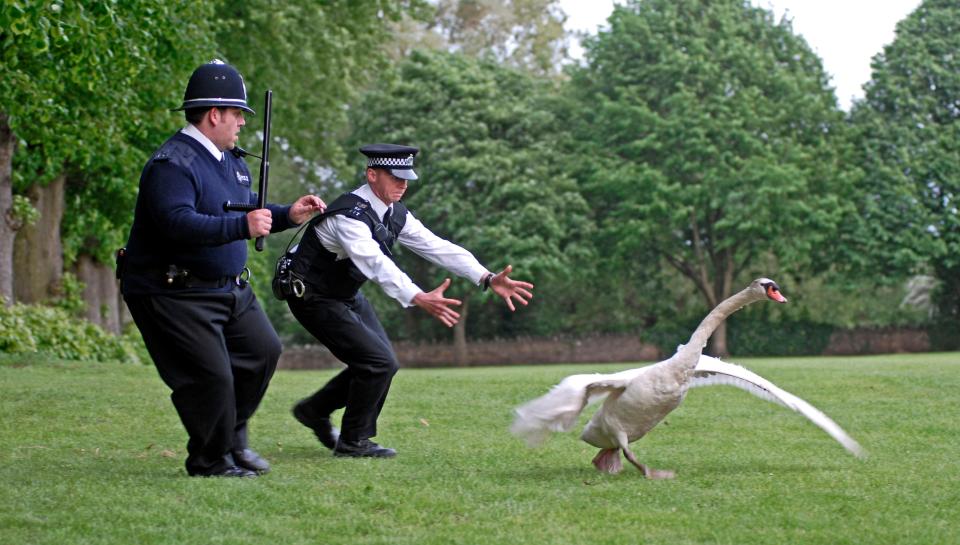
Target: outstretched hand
437 305
510 289
305 207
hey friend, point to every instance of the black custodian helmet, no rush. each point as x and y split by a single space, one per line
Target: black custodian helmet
215 84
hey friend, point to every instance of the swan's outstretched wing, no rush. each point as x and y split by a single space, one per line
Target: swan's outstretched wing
558 409
711 371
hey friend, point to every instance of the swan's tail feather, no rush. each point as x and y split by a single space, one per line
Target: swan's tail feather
558 409
711 371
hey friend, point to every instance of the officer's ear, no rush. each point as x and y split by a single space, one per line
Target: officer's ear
215 116
371 175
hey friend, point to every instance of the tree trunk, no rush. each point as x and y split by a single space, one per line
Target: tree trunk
724 289
718 341
100 293
38 252
460 335
8 227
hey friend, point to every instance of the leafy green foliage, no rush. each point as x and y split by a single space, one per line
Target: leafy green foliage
70 296
714 142
315 56
752 335
55 332
84 84
22 211
909 144
491 175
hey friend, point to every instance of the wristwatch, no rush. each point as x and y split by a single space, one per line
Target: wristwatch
485 283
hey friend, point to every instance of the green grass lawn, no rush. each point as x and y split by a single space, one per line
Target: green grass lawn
93 453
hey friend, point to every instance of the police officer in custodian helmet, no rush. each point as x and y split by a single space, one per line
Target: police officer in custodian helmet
184 281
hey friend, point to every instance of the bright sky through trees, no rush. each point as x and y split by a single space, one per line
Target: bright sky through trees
846 34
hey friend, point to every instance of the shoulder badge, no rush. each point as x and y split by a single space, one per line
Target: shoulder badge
358 210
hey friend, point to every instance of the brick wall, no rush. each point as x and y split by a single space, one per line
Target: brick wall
601 349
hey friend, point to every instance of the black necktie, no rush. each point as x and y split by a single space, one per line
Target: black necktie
386 216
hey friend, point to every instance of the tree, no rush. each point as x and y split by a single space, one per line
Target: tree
909 143
717 145
81 84
491 176
315 73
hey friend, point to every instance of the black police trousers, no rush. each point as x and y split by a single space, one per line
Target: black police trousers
217 351
349 328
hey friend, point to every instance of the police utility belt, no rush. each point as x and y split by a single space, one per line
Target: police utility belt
180 278
174 277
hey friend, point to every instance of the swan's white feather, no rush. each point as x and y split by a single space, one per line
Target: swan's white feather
558 409
711 371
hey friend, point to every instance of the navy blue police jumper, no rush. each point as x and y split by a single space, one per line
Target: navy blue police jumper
210 340
179 218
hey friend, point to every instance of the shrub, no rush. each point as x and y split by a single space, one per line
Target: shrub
754 336
750 333
48 330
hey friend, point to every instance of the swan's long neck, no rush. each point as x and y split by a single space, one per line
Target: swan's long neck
689 354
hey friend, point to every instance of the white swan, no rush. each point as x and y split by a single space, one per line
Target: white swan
638 399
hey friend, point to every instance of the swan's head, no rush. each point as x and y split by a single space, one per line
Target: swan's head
766 288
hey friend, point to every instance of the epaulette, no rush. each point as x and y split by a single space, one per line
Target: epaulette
179 153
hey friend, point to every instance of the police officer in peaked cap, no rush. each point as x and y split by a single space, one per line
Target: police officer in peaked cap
184 279
340 250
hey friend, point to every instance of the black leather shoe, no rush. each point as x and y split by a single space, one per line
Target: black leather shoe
248 459
230 471
364 448
322 428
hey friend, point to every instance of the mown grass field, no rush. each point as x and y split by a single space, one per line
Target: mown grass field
93 453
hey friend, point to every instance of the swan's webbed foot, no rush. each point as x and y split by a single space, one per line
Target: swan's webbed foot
648 471
608 460
651 473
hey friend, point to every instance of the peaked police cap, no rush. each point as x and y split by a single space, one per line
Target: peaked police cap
215 84
397 159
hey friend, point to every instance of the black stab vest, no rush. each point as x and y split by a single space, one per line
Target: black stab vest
323 275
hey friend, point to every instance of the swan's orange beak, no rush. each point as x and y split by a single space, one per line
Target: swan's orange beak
773 292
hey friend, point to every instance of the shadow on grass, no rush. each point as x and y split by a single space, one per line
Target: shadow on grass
298 453
540 474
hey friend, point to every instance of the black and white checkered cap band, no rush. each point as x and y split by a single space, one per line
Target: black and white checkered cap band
390 162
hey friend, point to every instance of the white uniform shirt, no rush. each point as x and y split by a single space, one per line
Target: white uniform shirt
193 131
349 238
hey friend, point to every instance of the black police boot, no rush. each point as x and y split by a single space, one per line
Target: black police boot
249 459
364 448
322 428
